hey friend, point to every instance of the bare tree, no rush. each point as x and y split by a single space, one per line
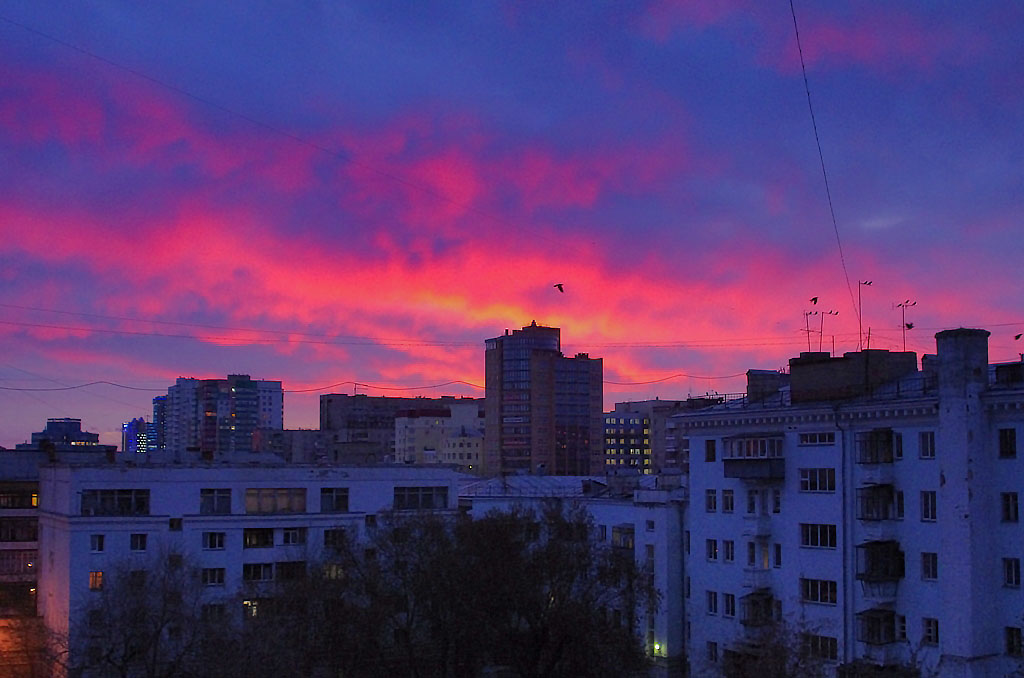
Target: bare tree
144 621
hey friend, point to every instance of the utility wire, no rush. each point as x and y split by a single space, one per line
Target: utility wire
821 157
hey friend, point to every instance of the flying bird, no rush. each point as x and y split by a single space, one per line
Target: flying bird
560 288
814 300
1018 337
910 326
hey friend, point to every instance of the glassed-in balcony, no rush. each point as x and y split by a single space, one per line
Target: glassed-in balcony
757 608
878 446
876 626
876 502
880 566
754 457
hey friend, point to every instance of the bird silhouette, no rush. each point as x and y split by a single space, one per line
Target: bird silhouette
560 288
1018 337
910 326
814 300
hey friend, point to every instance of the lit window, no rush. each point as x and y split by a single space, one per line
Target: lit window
95 580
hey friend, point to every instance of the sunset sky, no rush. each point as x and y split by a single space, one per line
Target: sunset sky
366 191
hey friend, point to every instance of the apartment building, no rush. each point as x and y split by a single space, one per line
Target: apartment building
215 418
871 506
641 514
241 525
543 409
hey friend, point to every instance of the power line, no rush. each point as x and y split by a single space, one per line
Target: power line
821 157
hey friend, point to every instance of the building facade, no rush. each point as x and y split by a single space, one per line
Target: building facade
239 525
543 410
870 507
363 426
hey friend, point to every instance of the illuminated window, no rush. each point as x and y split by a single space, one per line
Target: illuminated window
96 580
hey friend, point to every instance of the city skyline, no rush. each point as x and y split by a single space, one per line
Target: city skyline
365 193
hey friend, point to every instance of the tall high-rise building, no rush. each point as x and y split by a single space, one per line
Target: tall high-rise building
159 425
543 410
213 418
137 437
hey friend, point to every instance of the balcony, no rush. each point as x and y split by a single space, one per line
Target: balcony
757 609
876 627
623 537
757 525
754 457
876 502
880 566
757 578
878 446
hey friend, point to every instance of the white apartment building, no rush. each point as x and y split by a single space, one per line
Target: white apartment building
872 506
238 523
643 514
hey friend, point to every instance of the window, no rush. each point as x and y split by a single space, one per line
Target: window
1010 511
334 537
926 444
253 572
333 499
115 502
729 546
293 535
817 535
257 537
96 580
370 520
275 500
776 501
929 510
712 651
96 542
709 450
751 554
817 480
174 524
752 501
711 500
778 555
901 627
820 647
213 541
822 591
728 501
1014 641
138 542
899 504
929 631
211 612
1011 572
686 542
711 545
686 587
420 498
712 602
730 605
650 526
175 561
818 438
929 565
214 501
213 576
1007 443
